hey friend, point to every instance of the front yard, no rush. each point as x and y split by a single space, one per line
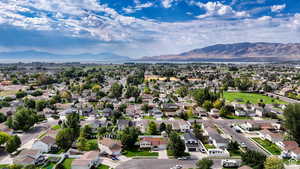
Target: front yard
268 145
68 163
102 166
238 117
136 152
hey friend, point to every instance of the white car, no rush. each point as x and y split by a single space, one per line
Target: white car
177 167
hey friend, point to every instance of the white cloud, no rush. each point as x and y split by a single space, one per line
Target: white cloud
295 22
138 7
218 9
167 3
138 37
277 8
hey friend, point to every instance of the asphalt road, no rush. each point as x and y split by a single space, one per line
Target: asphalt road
162 164
240 138
283 98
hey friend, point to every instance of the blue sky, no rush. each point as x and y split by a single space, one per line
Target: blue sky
139 28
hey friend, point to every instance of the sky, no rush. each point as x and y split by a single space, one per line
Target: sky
138 28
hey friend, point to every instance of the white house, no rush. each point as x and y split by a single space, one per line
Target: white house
44 144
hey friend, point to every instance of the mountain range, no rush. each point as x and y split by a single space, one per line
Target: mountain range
237 52
46 56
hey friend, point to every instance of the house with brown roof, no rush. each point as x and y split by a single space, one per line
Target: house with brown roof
29 157
45 144
287 147
153 142
110 146
87 160
276 138
295 153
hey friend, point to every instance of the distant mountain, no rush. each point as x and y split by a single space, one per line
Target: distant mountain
45 56
254 52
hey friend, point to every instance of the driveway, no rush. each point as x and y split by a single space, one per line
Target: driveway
156 164
197 155
162 154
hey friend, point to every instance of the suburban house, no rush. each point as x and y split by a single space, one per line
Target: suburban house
29 157
191 142
122 124
276 138
45 144
87 160
110 146
169 107
156 113
295 153
153 142
288 147
215 138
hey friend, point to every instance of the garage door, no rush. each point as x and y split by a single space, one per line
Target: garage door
192 149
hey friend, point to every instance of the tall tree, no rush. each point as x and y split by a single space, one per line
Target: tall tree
152 129
292 121
176 145
23 119
129 137
116 90
274 162
64 138
254 159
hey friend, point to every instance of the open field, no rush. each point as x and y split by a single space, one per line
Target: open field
252 97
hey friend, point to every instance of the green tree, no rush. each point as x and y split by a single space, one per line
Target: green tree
3 137
13 144
87 132
176 145
116 90
162 127
182 91
2 118
207 105
40 105
254 159
73 123
21 94
132 91
205 163
152 129
23 119
129 137
292 121
81 143
64 138
29 103
274 162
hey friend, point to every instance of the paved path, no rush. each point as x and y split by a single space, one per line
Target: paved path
162 154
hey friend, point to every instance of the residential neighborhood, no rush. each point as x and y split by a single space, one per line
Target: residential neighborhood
134 116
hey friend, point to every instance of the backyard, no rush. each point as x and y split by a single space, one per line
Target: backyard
271 147
251 97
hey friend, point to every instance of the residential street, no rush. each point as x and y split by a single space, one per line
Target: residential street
162 164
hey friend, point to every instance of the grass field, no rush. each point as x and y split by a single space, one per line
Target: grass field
271 147
252 97
209 146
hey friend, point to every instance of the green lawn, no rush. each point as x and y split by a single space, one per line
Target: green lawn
3 165
68 163
55 127
102 166
237 117
252 97
49 165
209 146
139 152
271 147
149 117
